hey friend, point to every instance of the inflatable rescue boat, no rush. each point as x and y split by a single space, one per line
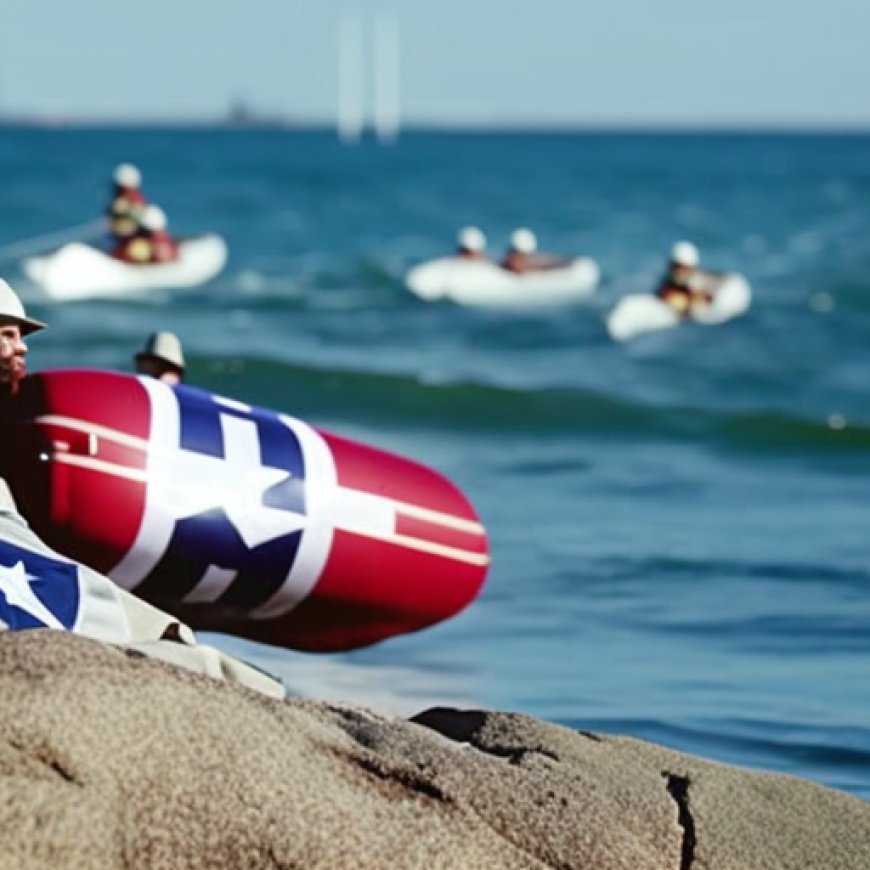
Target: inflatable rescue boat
645 312
80 271
484 283
239 519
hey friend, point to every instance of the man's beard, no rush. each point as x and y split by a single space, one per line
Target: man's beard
12 377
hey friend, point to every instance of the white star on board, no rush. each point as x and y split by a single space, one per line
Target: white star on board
15 586
196 482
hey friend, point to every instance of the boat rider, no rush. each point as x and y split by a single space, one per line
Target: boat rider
683 286
522 254
151 243
100 608
127 202
162 358
471 244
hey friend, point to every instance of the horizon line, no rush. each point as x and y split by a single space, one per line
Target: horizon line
264 121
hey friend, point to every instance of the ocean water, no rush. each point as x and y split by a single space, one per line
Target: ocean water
680 525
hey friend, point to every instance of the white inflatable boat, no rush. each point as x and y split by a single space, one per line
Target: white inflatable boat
80 271
484 283
645 312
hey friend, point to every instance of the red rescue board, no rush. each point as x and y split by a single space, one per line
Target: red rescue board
240 519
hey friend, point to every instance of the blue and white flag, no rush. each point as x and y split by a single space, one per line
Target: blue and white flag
40 589
37 592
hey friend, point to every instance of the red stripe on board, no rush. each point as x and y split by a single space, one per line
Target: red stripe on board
425 530
376 471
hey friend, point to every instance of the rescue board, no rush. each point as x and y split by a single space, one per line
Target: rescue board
486 284
236 518
80 271
640 313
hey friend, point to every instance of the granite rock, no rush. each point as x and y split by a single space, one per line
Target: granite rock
109 759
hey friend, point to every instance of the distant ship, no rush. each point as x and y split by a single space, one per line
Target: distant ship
240 114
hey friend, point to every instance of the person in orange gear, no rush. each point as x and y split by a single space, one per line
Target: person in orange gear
151 243
164 248
127 202
680 288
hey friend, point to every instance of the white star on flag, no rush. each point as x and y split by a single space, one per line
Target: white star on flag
15 586
194 483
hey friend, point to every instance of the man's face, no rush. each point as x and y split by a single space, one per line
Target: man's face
149 365
13 351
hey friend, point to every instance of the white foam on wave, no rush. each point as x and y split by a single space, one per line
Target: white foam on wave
340 300
822 302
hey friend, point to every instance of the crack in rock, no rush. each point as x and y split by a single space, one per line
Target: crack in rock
678 788
405 779
514 755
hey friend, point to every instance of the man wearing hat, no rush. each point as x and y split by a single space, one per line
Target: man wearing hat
14 326
162 358
39 588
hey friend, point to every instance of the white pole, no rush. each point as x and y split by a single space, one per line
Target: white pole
387 113
350 79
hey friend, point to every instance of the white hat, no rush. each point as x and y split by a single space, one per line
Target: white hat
471 239
524 241
153 218
12 310
127 175
164 346
685 254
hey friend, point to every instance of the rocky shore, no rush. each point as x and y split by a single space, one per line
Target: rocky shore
113 760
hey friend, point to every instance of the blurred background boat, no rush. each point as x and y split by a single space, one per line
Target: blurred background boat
487 284
79 271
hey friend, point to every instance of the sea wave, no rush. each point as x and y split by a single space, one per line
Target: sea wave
413 400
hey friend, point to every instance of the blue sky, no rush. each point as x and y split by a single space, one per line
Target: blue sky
560 62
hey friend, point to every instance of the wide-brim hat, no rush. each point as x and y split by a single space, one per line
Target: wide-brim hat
12 311
165 347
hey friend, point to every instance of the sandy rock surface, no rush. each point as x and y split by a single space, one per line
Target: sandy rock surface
109 759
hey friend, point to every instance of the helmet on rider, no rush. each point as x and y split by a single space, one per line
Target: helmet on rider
127 175
153 218
685 254
523 241
471 239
